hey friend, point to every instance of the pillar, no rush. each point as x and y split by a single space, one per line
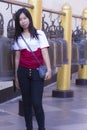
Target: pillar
82 72
36 13
64 72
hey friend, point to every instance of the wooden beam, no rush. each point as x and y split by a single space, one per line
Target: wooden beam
52 11
15 2
79 17
62 13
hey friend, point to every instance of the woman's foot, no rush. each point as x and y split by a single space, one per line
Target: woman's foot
41 129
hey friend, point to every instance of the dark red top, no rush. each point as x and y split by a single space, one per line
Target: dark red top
27 60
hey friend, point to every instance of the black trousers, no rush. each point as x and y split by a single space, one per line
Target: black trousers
31 86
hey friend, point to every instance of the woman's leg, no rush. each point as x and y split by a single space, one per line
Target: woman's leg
37 93
24 81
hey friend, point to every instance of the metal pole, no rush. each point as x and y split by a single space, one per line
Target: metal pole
82 71
64 72
36 13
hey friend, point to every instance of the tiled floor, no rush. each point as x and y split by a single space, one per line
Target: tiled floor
61 114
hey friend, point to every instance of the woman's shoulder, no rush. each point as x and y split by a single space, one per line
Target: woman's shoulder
40 32
19 38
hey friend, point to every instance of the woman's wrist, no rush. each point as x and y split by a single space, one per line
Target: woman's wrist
49 70
15 76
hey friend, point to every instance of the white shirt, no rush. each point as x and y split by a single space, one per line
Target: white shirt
33 43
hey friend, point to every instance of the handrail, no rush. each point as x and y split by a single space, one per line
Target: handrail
15 2
62 13
79 17
52 11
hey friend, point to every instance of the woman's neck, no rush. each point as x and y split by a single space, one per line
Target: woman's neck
26 34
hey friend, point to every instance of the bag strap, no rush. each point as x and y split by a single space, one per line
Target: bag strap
31 50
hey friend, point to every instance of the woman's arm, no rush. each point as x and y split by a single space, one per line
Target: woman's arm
17 58
46 58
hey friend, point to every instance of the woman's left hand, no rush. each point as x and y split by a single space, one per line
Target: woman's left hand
48 75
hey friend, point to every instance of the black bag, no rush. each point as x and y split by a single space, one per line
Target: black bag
42 71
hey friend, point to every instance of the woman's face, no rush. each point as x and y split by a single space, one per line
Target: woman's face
24 21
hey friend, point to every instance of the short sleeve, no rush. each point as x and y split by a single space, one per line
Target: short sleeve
15 46
42 39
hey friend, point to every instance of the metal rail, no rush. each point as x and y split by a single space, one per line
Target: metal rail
52 11
79 17
18 3
62 13
15 2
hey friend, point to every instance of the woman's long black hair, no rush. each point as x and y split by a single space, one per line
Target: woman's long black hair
19 29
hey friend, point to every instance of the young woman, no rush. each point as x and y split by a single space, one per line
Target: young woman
26 73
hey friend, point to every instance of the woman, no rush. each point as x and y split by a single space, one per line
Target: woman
26 73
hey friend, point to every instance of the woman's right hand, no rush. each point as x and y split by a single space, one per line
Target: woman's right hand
17 83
